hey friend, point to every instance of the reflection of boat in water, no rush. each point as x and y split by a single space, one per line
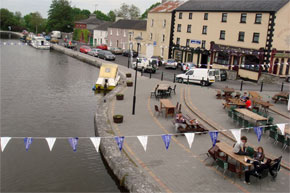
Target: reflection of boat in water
40 42
108 77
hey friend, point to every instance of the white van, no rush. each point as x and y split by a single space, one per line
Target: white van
202 76
56 34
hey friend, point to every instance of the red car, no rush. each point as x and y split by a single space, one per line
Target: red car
85 49
103 47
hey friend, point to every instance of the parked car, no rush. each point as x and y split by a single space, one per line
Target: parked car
106 55
145 65
116 51
171 63
47 38
220 74
158 59
71 44
201 76
103 47
56 34
94 52
85 49
187 66
126 53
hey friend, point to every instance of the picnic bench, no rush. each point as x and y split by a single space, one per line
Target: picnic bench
265 105
254 94
251 115
228 92
282 96
168 106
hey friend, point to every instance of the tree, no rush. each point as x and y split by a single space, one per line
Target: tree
60 16
112 15
134 12
145 14
100 15
7 19
128 12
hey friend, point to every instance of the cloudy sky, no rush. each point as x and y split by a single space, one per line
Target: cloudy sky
42 6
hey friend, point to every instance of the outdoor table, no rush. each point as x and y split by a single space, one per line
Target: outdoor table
254 94
264 104
163 88
287 130
168 106
236 102
228 150
251 115
228 92
282 95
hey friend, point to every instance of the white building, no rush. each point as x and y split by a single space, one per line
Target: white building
101 34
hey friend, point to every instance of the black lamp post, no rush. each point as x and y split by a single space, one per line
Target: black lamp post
138 40
130 48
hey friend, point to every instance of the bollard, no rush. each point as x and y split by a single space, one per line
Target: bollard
282 86
162 76
174 78
262 84
188 79
241 85
150 74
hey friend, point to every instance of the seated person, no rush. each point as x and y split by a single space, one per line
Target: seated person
258 158
248 103
244 97
240 148
180 122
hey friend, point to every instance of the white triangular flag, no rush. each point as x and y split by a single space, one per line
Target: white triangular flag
4 43
96 142
143 140
4 141
282 128
237 134
190 138
50 142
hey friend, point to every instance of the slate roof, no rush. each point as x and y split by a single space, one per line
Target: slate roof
104 26
130 24
166 7
233 5
91 20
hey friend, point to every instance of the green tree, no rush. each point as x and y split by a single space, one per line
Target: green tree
100 15
145 14
60 16
128 12
134 12
34 22
112 15
7 19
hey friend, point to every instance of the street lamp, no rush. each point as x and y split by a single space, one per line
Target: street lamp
138 40
130 47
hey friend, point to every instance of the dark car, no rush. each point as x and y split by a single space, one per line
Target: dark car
158 59
126 53
106 55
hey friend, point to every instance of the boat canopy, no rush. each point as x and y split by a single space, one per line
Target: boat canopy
108 71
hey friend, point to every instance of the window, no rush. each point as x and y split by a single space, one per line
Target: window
241 36
141 34
224 17
163 38
204 29
151 36
124 33
162 52
117 32
189 73
221 58
177 41
190 16
179 28
243 18
205 17
258 19
188 28
152 22
222 34
256 37
111 32
164 23
180 15
203 44
187 42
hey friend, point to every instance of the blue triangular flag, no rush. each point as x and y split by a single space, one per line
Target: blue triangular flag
120 141
27 142
73 142
166 139
259 132
213 136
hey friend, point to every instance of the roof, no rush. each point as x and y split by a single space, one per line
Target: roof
233 5
130 24
166 7
104 26
91 20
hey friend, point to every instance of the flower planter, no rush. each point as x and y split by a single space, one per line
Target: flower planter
118 118
129 84
128 75
120 97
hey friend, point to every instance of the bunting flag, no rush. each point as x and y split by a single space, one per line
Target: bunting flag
96 142
282 128
27 142
4 142
143 140
237 134
166 139
258 131
73 142
190 138
213 136
120 141
50 142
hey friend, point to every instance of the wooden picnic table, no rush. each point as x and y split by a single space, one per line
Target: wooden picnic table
228 90
287 130
163 87
283 96
254 94
236 102
168 106
228 150
251 115
258 101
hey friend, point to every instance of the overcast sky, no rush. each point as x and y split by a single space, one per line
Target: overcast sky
42 6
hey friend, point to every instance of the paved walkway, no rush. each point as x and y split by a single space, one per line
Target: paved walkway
181 169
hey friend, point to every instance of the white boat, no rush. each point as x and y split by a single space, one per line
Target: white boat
40 42
108 77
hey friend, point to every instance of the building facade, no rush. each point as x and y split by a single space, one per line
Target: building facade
236 36
101 34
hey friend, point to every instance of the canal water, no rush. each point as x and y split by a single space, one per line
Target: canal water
45 93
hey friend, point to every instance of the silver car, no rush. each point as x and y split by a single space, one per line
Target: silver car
171 63
94 52
106 55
